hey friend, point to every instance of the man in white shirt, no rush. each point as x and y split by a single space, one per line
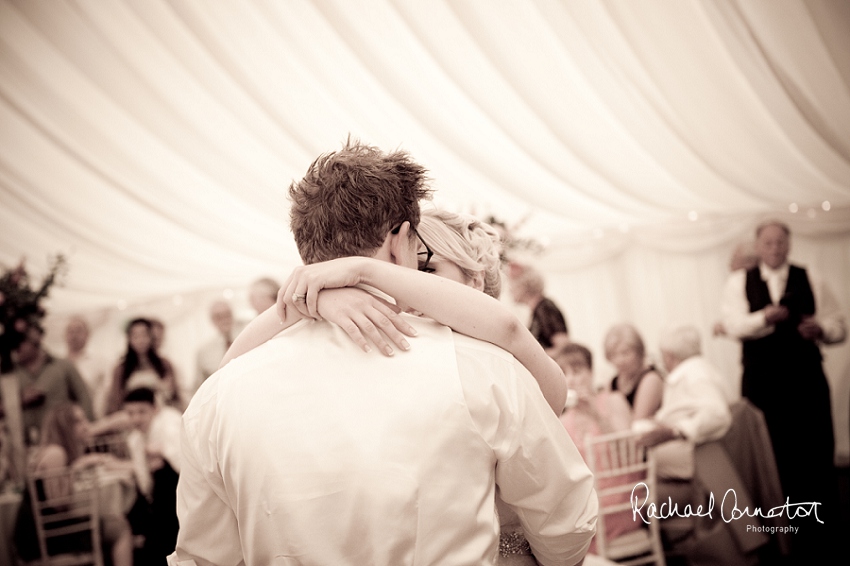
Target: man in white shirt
212 351
782 313
263 294
94 369
309 450
693 407
154 444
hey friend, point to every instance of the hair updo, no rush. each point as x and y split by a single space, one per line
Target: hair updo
467 242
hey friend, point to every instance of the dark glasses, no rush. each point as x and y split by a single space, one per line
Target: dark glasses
428 253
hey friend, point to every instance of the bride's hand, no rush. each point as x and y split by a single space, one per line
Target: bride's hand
360 313
305 282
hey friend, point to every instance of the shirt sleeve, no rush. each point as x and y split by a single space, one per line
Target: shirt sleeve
209 532
168 436
79 390
828 311
738 321
139 460
711 417
540 474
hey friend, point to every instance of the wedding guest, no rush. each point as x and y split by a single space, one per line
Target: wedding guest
93 368
263 294
592 413
693 407
548 324
142 366
783 313
157 333
45 381
743 257
63 441
638 380
212 351
314 382
154 443
598 412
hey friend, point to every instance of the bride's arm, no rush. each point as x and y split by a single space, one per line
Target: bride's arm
360 314
458 306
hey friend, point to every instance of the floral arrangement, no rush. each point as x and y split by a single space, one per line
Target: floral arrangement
20 305
511 243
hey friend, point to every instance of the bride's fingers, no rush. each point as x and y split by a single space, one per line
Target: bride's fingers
393 325
311 302
353 330
280 305
369 329
299 299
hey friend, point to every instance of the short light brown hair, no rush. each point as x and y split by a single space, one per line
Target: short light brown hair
350 199
626 334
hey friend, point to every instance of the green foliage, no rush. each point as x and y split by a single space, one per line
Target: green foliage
21 305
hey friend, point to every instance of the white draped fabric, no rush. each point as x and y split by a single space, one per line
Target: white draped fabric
153 141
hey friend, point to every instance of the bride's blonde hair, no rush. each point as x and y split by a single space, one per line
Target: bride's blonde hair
467 242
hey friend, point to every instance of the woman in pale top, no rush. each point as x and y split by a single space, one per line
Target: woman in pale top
592 413
64 435
463 250
637 380
142 366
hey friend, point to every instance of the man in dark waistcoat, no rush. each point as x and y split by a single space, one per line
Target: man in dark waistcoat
782 314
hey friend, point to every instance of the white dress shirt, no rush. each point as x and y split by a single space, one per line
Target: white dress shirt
739 322
209 357
162 436
308 450
96 371
694 404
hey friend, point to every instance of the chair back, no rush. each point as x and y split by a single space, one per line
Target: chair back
67 517
618 465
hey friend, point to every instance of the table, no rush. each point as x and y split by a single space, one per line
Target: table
116 489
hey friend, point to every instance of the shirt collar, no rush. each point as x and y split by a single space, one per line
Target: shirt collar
767 272
680 370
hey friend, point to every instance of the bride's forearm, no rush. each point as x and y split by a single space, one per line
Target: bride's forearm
262 328
470 312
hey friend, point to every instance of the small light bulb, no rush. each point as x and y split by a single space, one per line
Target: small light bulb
825 205
793 207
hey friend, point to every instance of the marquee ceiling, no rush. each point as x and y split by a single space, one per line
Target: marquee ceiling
152 141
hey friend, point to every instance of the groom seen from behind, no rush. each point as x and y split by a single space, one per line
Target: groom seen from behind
308 450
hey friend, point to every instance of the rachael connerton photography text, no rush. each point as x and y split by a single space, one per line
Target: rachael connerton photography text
729 510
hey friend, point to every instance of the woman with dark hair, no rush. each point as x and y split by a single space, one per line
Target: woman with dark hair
142 366
64 433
